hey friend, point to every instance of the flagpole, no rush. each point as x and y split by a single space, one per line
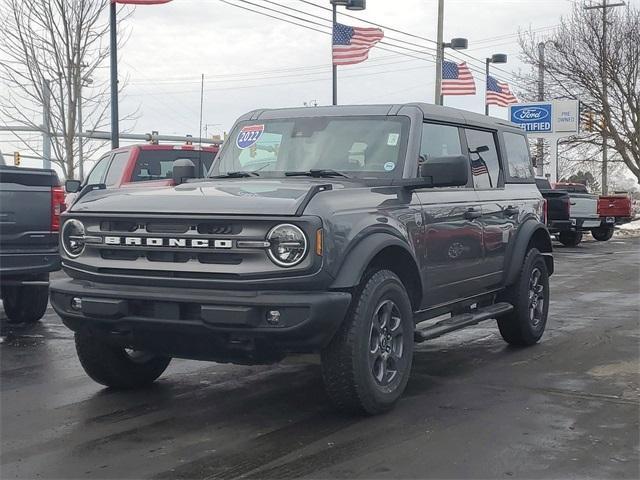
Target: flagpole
333 65
486 86
113 50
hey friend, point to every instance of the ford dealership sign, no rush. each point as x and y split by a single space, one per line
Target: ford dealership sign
532 118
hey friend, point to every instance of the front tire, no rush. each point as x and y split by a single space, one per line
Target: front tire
602 234
366 366
115 366
570 238
529 295
25 303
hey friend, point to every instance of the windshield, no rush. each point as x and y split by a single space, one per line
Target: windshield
361 147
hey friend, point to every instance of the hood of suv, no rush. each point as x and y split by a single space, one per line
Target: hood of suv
223 196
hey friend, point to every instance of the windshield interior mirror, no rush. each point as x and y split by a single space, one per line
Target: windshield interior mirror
183 170
72 186
480 149
449 171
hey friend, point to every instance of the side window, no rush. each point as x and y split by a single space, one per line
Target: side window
116 168
439 141
98 171
518 156
485 167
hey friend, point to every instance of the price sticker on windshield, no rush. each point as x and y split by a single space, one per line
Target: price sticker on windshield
249 135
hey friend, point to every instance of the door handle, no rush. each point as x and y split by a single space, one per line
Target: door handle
473 213
511 211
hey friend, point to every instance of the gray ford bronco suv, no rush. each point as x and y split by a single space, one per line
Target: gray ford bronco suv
349 231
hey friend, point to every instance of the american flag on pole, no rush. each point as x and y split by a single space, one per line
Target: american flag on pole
498 93
352 44
457 79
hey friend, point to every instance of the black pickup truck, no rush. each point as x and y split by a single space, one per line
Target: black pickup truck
558 208
31 201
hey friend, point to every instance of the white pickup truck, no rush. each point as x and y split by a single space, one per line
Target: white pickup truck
583 213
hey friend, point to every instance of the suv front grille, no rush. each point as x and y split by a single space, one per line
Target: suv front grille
196 247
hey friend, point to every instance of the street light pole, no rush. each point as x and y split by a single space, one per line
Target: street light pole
439 54
349 5
495 58
114 76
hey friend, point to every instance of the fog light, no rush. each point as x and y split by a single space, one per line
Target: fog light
273 317
76 303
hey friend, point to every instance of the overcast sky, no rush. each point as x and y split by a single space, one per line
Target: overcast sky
251 61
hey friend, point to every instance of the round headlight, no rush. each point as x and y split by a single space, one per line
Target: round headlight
72 238
288 245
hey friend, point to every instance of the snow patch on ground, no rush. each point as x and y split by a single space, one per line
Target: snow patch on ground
634 225
631 229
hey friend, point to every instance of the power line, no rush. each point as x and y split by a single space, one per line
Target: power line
320 31
476 68
386 27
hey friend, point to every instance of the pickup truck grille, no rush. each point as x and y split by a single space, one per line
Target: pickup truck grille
170 247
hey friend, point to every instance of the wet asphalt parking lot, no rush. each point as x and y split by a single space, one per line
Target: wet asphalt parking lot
474 407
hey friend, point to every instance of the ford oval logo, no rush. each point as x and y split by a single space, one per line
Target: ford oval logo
530 114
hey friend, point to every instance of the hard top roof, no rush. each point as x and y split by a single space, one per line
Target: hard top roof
429 112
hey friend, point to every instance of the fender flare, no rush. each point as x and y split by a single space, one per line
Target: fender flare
517 254
358 258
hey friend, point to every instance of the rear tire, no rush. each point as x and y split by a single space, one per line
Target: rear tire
116 367
25 303
602 234
570 238
529 295
367 364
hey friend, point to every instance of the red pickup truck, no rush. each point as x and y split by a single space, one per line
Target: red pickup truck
618 206
152 164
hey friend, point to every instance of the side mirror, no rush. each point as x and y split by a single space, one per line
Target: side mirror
72 186
480 149
451 171
183 170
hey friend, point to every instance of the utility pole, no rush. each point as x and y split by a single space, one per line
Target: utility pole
540 146
113 26
604 6
437 99
80 139
46 128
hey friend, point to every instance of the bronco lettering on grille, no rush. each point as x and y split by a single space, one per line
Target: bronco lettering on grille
168 242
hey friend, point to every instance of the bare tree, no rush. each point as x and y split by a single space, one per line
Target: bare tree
64 42
578 66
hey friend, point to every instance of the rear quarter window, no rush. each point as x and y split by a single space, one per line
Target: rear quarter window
518 158
158 164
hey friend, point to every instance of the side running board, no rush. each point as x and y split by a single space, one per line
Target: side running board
458 322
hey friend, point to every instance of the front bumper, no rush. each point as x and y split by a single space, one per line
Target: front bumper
211 321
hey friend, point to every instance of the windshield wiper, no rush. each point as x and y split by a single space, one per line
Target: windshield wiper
238 174
318 173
